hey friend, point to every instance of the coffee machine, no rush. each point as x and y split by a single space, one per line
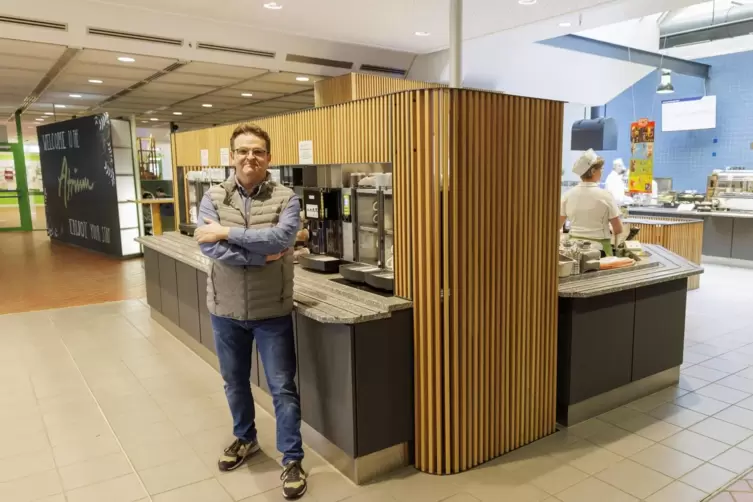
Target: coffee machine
322 210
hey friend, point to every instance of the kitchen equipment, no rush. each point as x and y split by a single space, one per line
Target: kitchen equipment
320 263
384 280
588 256
356 272
565 266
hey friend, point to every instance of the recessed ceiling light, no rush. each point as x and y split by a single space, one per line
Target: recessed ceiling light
302 79
49 113
246 94
75 95
177 113
144 121
126 59
527 2
39 120
60 106
422 33
207 105
565 24
94 81
273 6
154 119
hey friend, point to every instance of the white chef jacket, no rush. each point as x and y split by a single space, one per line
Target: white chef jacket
589 209
616 186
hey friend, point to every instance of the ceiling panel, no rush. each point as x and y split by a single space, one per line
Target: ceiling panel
235 92
226 102
98 57
237 72
191 79
65 98
31 49
20 76
25 62
307 98
257 85
283 77
103 71
158 87
73 88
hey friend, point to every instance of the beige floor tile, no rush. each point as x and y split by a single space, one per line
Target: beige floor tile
376 495
251 480
205 491
722 393
594 459
648 403
701 404
738 416
94 471
558 479
618 415
706 350
153 454
696 445
635 479
708 374
694 358
71 452
738 383
67 402
140 435
331 486
26 464
677 415
735 460
31 488
708 478
123 489
667 461
677 492
720 430
671 393
593 490
621 442
588 428
20 444
691 384
725 365
746 403
60 497
650 427
174 475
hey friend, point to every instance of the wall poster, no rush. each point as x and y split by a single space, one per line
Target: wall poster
78 179
642 134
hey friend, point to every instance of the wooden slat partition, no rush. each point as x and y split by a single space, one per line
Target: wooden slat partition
476 180
685 240
353 132
355 86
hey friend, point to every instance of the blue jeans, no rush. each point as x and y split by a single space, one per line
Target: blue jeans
274 337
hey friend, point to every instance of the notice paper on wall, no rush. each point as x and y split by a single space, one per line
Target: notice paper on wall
689 114
224 156
205 157
306 152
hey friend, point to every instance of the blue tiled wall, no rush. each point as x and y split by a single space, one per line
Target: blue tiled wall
688 156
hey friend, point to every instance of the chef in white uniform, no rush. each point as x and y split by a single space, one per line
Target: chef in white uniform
591 209
615 183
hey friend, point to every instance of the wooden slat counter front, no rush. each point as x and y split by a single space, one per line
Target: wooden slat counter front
681 236
355 355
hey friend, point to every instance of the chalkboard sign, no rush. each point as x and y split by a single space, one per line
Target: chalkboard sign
78 176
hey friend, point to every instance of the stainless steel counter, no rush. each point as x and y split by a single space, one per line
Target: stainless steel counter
316 296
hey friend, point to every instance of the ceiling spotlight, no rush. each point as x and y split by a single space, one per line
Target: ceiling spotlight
272 6
527 2
565 24
59 106
144 121
49 113
126 59
75 95
246 94
207 105
94 81
39 120
422 33
154 119
302 79
177 113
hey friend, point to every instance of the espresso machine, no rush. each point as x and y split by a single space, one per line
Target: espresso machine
322 211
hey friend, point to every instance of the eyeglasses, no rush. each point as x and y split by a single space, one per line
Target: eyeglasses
256 152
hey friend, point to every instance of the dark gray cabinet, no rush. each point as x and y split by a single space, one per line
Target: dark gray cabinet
742 239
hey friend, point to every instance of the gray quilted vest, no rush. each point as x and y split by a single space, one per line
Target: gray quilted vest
250 293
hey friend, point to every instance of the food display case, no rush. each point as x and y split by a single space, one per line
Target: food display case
733 188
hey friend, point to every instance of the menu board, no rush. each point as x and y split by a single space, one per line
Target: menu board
78 178
689 114
641 176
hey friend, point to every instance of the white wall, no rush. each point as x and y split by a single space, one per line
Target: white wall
711 49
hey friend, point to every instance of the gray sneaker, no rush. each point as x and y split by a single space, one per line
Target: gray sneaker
293 480
236 454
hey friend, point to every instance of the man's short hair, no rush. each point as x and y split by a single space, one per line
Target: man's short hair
251 129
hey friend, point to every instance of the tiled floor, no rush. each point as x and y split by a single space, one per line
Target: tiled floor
98 403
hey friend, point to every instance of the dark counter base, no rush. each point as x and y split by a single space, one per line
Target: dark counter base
355 381
612 341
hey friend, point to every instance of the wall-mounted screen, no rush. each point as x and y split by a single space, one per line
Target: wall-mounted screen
689 114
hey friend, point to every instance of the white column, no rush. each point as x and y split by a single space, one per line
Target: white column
456 43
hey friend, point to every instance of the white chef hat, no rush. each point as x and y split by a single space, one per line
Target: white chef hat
585 162
619 166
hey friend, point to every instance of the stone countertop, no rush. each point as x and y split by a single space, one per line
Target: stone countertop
667 266
316 295
664 211
648 221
